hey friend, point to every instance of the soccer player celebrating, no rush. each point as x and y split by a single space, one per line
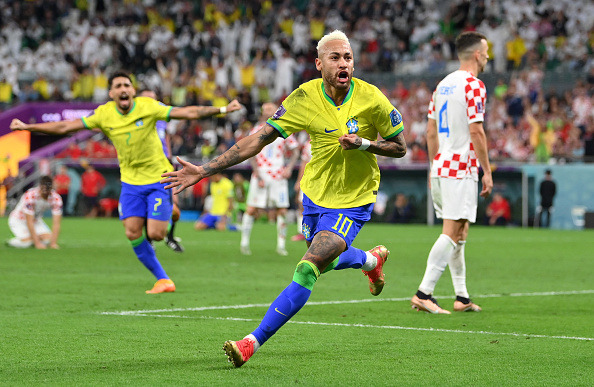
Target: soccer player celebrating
269 187
171 240
343 116
457 144
129 122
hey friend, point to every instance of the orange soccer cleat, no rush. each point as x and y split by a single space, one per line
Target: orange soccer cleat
162 286
430 305
376 275
459 306
239 352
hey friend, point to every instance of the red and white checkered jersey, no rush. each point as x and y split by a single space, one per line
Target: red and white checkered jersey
458 101
271 159
32 203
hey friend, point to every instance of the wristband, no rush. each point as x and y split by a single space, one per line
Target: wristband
223 110
364 144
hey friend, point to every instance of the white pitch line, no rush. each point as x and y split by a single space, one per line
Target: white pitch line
311 303
378 327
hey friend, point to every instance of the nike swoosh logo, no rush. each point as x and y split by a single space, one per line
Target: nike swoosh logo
276 310
330 131
156 213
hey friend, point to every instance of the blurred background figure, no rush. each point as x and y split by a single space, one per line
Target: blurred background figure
403 210
498 211
547 190
91 185
26 222
62 185
216 216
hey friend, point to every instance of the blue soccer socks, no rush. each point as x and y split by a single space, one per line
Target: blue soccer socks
146 254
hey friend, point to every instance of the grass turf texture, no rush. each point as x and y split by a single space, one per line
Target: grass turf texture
54 332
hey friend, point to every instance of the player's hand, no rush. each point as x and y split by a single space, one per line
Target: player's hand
261 183
233 106
17 124
189 175
350 141
40 246
487 186
54 246
286 173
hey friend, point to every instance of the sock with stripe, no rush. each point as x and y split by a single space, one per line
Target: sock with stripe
146 254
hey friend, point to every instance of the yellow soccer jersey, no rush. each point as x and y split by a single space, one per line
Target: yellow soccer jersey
221 192
140 151
337 178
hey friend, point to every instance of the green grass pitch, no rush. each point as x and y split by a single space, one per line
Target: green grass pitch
79 315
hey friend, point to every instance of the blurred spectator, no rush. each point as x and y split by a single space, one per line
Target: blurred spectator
403 210
498 211
92 184
72 152
547 191
62 185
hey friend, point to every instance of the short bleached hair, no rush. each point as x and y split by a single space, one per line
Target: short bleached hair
334 35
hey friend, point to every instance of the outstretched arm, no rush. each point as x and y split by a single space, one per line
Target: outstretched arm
58 127
197 112
392 147
245 148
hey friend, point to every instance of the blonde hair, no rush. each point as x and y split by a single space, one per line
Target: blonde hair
334 35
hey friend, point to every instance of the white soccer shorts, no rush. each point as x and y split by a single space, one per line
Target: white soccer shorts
454 198
21 231
274 194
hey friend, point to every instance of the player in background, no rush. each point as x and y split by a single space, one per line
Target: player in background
305 157
129 122
217 214
343 116
457 146
26 220
269 185
171 240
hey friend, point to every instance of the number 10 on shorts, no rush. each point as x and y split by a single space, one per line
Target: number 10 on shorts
345 226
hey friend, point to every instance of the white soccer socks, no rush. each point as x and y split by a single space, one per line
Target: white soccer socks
247 222
458 270
281 232
370 263
438 259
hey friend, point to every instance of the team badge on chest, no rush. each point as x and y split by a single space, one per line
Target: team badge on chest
353 125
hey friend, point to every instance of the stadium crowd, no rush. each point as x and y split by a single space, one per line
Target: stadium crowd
210 52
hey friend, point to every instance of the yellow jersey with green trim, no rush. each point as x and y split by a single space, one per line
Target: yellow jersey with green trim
337 178
134 135
221 192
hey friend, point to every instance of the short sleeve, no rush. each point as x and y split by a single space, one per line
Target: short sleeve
292 115
29 203
431 112
56 204
476 96
387 119
161 111
93 121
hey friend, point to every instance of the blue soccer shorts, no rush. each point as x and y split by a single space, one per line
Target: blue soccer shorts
210 220
151 201
344 222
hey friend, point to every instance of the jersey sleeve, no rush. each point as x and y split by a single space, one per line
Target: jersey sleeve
94 120
56 204
431 112
387 119
476 96
291 115
160 110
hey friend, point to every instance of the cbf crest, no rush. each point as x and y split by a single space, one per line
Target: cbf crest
305 230
353 125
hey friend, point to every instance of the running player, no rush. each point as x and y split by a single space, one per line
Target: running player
343 116
129 122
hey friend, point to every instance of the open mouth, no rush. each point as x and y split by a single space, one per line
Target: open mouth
343 76
124 97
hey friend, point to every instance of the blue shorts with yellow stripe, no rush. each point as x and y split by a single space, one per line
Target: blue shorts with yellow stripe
344 222
150 201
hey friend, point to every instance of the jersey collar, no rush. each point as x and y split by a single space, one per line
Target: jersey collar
121 114
348 96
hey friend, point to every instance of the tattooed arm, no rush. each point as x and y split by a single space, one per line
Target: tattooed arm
245 148
392 147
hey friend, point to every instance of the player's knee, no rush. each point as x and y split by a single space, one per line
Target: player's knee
157 235
306 274
133 234
200 226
